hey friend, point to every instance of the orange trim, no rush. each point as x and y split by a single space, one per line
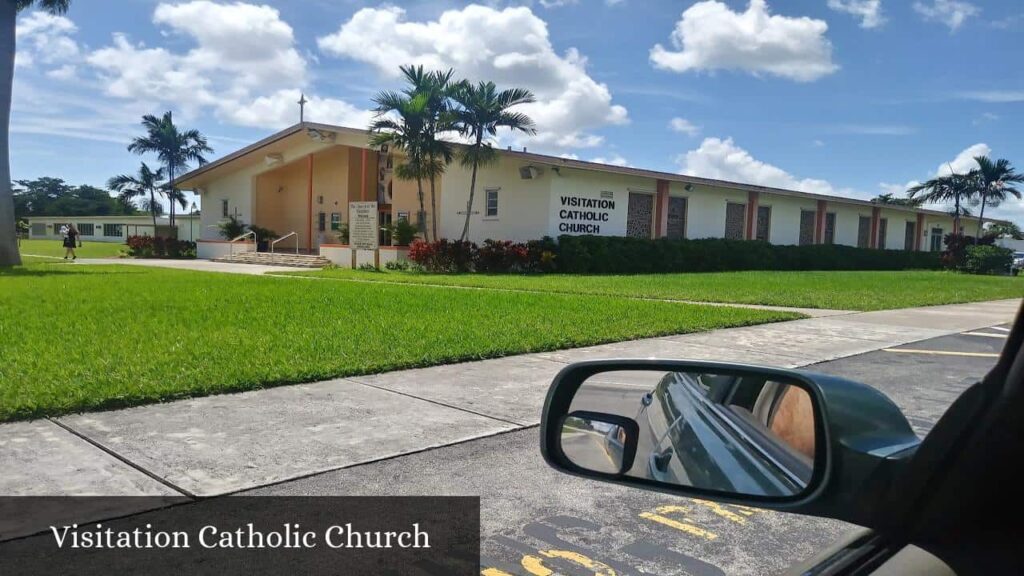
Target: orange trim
335 245
661 210
752 198
309 203
362 189
819 229
393 248
919 229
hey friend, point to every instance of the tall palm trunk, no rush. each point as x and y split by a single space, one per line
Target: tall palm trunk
9 255
981 216
472 192
152 208
423 209
170 195
433 208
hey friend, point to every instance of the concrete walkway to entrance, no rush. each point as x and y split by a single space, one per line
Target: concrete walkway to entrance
228 443
195 264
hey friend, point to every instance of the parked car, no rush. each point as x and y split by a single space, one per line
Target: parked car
1018 263
813 444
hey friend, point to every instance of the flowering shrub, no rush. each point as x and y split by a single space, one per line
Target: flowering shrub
159 247
444 255
542 255
502 256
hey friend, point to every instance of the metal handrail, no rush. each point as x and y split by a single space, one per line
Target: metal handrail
231 243
292 233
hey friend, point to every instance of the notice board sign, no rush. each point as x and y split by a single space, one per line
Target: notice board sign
363 228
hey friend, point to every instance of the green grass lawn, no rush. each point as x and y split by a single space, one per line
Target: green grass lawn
77 337
54 248
837 290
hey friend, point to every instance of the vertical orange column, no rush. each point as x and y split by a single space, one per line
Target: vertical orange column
920 232
876 214
309 202
752 198
661 210
362 178
819 227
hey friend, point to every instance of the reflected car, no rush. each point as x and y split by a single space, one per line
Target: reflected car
729 433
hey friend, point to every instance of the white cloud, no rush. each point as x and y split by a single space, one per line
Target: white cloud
614 160
995 96
869 11
511 47
64 73
45 39
952 13
724 160
964 161
710 36
244 66
280 109
684 126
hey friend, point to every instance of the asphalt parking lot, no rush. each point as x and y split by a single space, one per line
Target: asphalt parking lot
538 521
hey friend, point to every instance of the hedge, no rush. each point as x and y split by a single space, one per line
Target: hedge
618 255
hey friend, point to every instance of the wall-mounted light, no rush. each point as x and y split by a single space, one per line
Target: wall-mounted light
688 187
271 159
321 135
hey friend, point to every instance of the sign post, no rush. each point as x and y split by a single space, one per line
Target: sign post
363 231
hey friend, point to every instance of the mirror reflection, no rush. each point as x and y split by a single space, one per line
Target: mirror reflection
748 433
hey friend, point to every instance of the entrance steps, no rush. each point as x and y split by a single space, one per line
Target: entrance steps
276 259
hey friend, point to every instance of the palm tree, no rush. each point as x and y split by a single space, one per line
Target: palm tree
437 154
1003 229
481 111
146 183
176 149
399 123
994 181
893 200
9 255
954 187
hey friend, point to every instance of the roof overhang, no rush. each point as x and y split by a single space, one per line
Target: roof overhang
276 143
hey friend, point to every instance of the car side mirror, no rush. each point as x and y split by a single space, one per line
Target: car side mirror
781 439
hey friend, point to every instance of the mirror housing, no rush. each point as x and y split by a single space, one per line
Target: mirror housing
865 440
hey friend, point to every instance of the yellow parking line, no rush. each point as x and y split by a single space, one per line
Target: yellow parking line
985 334
941 352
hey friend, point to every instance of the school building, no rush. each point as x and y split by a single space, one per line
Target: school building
303 179
113 228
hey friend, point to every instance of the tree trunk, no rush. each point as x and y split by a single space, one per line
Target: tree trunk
170 195
9 255
433 208
152 208
981 218
423 209
472 191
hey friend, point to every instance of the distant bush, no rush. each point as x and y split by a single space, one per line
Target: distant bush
444 255
618 255
502 256
397 265
955 255
985 259
159 247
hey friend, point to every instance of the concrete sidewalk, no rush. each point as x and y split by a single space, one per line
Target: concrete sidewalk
195 264
228 443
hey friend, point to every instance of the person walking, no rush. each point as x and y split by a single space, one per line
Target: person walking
71 241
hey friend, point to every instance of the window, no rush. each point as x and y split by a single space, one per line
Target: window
38 229
224 208
492 203
764 223
830 228
936 245
910 236
86 229
863 231
112 230
676 218
321 221
640 215
883 226
335 220
807 218
735 219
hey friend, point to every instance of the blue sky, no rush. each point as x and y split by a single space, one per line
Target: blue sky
848 97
